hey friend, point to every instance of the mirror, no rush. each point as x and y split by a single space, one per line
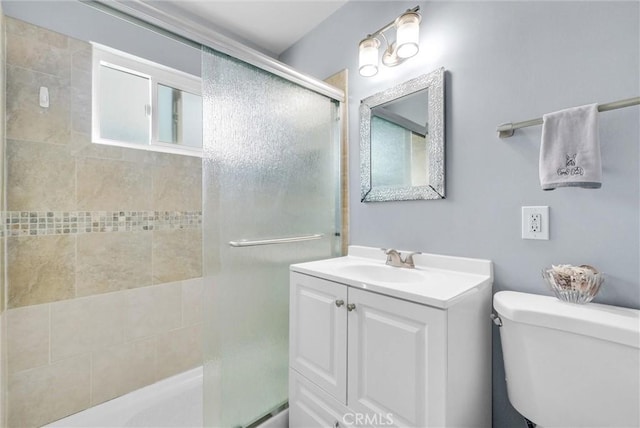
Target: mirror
402 141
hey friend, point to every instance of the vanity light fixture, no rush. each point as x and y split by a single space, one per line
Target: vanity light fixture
405 46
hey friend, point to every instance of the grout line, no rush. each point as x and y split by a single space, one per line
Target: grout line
91 353
50 335
181 304
75 261
75 267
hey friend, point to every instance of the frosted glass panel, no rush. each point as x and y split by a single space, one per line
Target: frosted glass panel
179 117
124 103
270 171
167 130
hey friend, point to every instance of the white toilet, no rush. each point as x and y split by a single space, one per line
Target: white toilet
570 365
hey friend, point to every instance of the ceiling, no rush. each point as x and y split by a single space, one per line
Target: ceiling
271 26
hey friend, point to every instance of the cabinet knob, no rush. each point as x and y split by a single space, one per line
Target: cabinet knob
339 303
351 307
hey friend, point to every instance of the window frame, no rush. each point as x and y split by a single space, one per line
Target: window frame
157 74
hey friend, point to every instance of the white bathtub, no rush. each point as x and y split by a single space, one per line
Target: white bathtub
172 402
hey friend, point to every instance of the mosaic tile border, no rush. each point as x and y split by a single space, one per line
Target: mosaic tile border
38 223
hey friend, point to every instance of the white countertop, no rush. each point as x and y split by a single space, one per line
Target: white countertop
438 281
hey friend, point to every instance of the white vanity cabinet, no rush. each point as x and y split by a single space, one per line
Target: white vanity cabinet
364 358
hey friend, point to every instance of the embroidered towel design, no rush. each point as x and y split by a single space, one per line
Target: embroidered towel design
570 167
570 149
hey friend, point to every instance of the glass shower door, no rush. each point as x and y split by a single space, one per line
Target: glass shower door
271 198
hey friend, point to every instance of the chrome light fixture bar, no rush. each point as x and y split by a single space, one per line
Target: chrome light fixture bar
405 46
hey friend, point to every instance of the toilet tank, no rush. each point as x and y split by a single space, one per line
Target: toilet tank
570 365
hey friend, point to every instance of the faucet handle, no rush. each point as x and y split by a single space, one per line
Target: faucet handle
393 257
388 251
393 254
408 259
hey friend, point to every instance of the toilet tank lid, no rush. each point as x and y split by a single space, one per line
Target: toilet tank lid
612 323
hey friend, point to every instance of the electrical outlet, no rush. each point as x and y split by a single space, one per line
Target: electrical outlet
535 223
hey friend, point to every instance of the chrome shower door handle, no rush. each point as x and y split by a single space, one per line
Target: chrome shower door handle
339 303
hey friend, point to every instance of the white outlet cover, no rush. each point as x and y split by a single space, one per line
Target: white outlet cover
544 222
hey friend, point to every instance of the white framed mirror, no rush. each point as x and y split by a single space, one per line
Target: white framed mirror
402 141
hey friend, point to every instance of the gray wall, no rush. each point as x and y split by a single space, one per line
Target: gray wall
505 61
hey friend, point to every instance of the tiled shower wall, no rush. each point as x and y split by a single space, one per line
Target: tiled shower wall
3 348
104 244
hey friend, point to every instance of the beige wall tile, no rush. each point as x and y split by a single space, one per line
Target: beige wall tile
105 185
27 337
48 393
33 32
3 367
153 310
112 261
81 100
2 276
192 301
40 177
81 55
122 368
26 120
3 335
177 187
36 48
177 255
81 325
81 69
179 350
82 147
138 156
41 269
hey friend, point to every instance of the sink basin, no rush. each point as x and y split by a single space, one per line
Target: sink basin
436 281
380 273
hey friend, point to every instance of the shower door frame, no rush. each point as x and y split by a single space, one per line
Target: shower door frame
196 34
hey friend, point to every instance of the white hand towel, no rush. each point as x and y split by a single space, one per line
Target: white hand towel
570 149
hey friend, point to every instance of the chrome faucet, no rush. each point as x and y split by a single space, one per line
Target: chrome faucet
394 258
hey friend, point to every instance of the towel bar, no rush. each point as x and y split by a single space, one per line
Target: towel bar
253 243
506 130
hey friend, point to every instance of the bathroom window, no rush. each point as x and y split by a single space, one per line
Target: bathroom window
141 104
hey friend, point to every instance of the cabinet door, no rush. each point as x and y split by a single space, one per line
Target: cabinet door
318 332
311 407
397 360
